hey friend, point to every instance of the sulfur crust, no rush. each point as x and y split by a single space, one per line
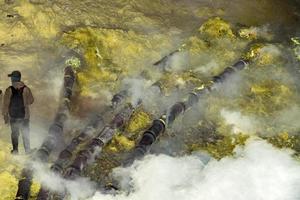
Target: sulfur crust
114 53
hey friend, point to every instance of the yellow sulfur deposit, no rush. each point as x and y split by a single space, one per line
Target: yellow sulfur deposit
254 33
213 47
38 18
139 121
253 52
269 55
267 97
34 190
195 44
215 28
171 81
191 79
296 49
3 156
221 148
264 54
9 171
248 34
110 53
8 186
120 143
284 140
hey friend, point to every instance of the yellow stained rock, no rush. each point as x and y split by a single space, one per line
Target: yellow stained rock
254 33
247 33
139 121
216 27
284 140
264 54
254 51
2 157
124 142
221 148
196 45
8 186
42 19
296 49
110 53
256 89
295 40
284 136
265 59
120 143
267 97
34 190
18 32
270 54
9 171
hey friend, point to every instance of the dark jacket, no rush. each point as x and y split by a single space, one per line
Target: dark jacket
27 97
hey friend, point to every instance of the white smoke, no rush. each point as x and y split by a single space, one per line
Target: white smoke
240 123
136 88
272 50
289 118
208 68
142 90
80 188
179 61
257 171
262 32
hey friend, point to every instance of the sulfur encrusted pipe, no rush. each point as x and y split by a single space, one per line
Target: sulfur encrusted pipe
65 156
94 147
89 132
159 125
119 98
54 136
164 62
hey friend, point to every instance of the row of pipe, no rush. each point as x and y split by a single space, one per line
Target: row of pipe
91 150
61 167
158 126
166 120
90 131
71 170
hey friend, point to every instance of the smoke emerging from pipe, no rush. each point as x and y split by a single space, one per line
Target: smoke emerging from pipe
145 91
257 171
79 188
136 88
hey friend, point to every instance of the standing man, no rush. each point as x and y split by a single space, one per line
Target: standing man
15 110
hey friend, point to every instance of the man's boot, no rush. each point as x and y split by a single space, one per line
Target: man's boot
14 152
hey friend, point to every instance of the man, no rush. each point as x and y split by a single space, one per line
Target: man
15 110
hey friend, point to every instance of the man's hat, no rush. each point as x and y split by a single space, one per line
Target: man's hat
16 74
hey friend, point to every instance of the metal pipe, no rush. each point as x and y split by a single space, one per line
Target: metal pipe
149 137
54 136
95 126
164 63
159 125
65 156
56 129
119 98
94 148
